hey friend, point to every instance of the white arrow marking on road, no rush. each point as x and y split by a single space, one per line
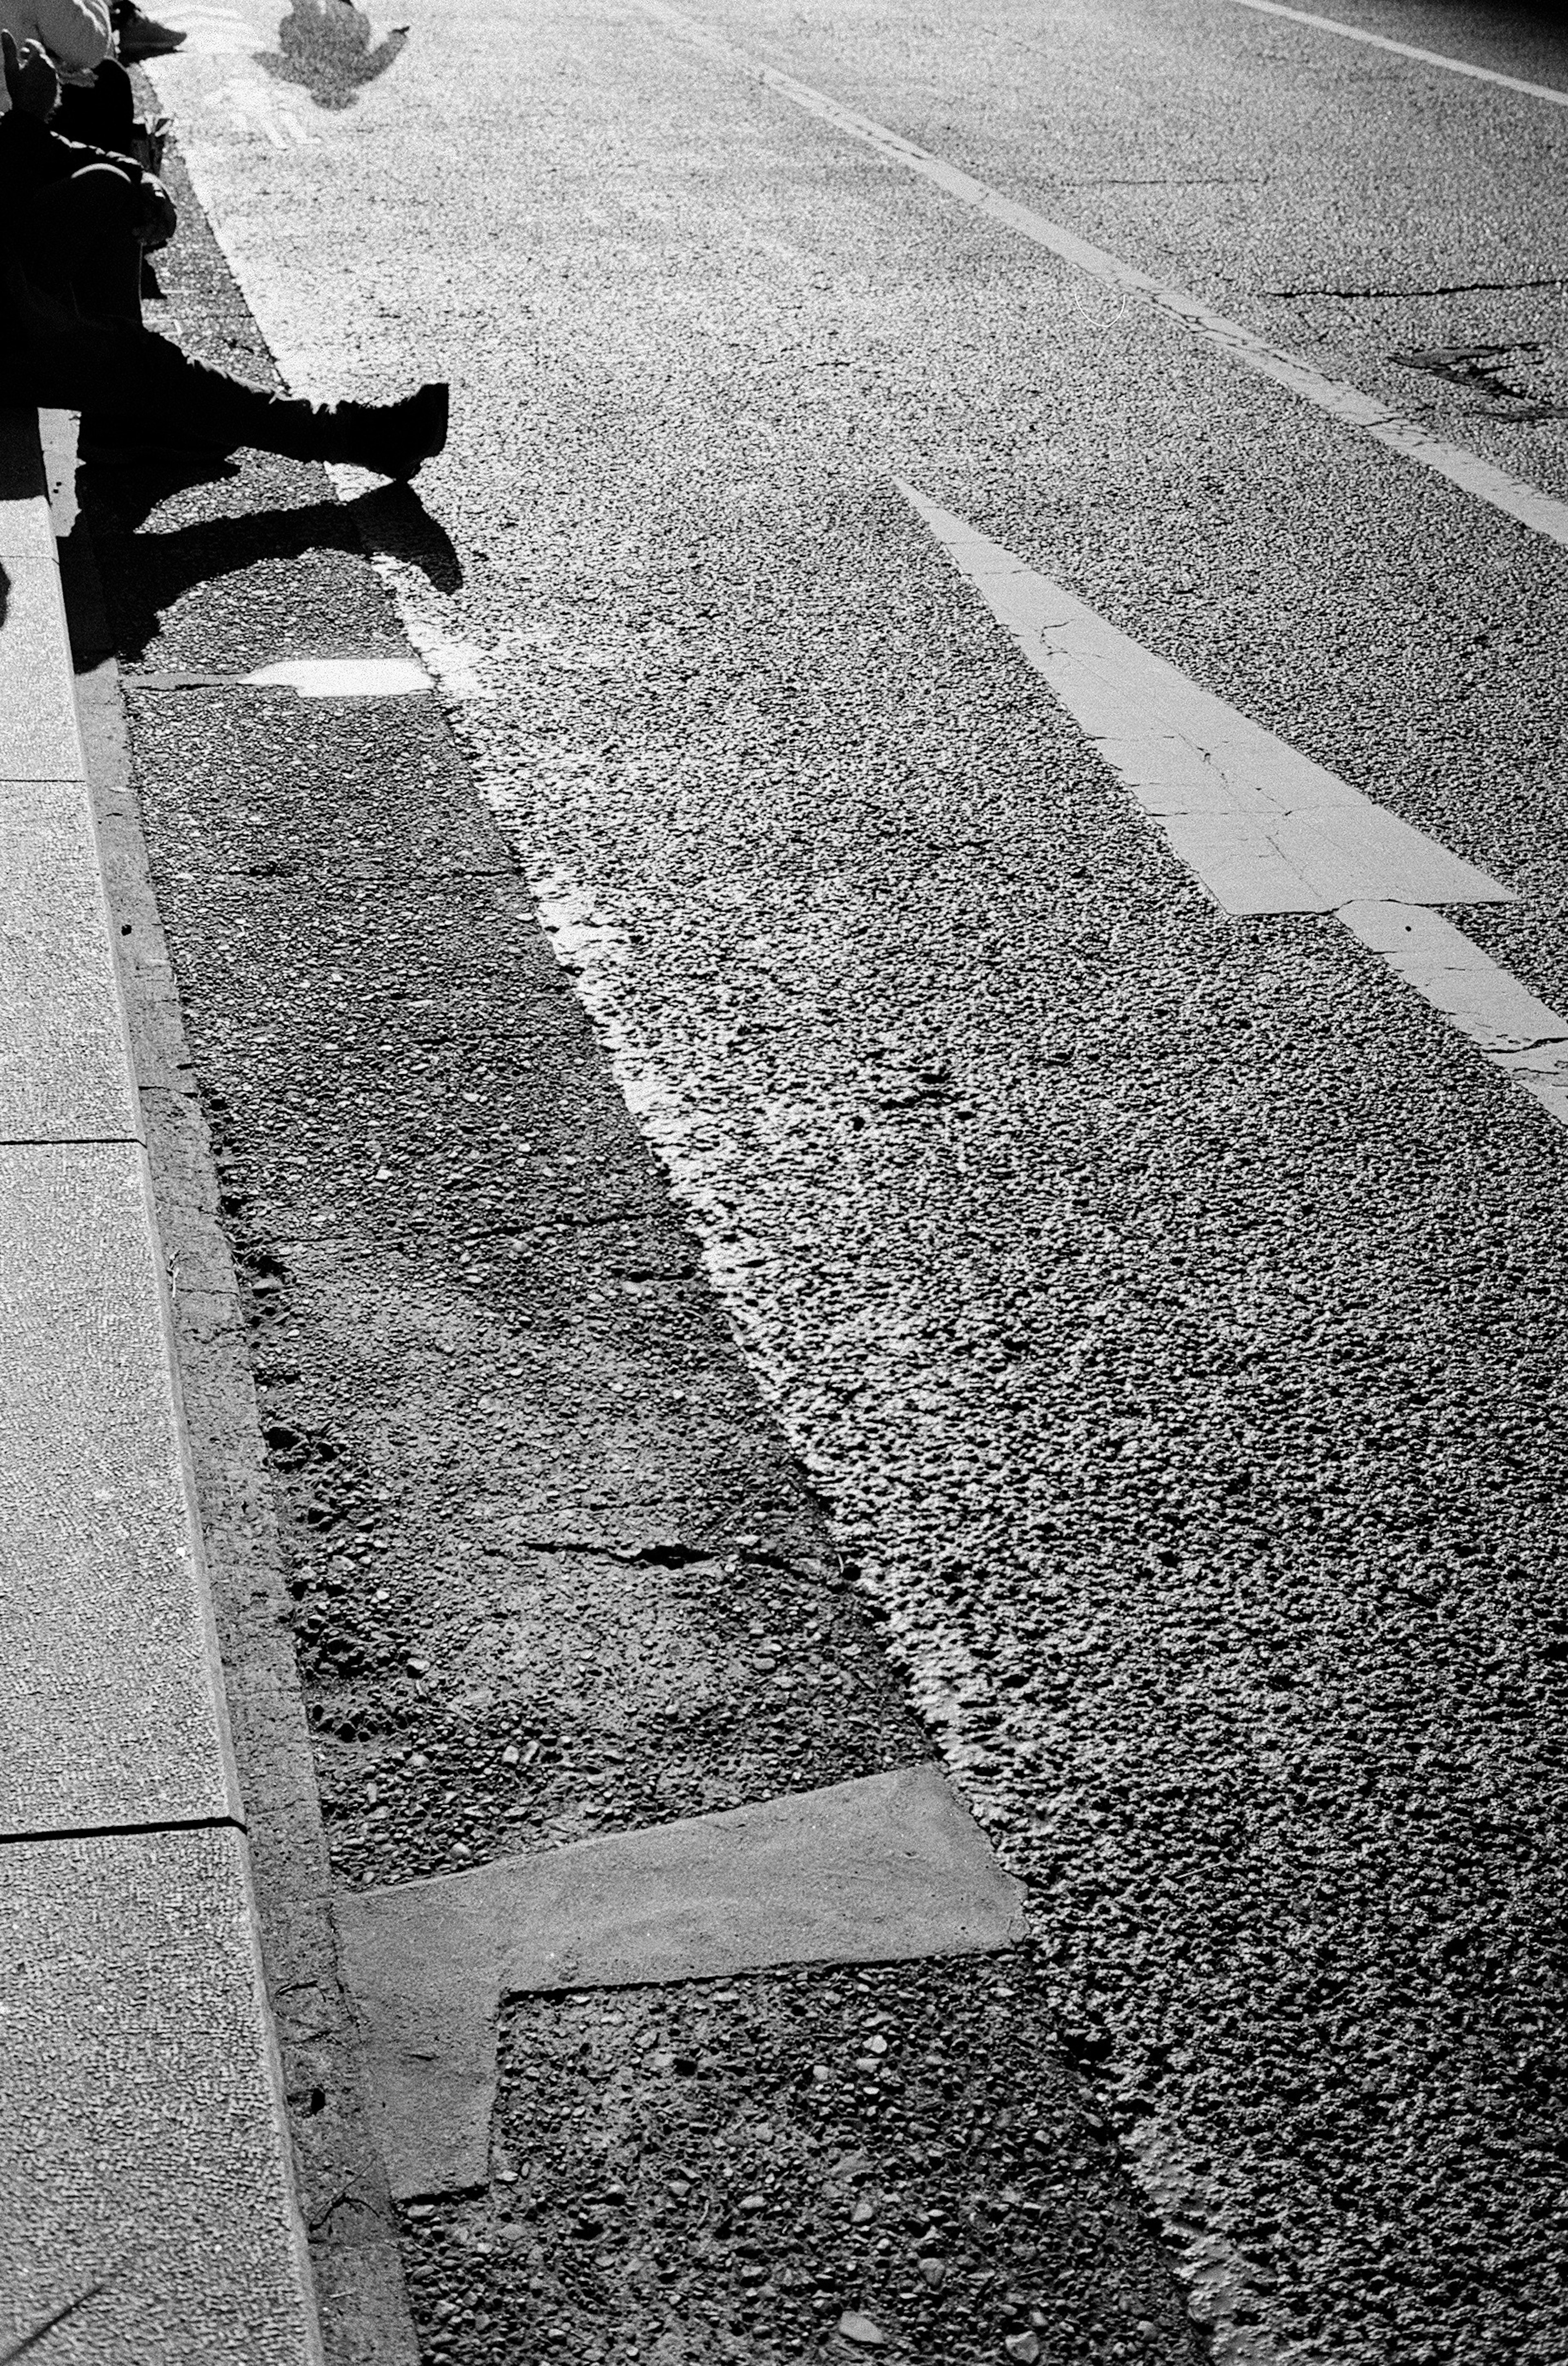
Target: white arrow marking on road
1543 512
1264 827
1405 50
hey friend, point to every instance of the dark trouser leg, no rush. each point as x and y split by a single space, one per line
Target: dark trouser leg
74 244
148 390
100 113
136 388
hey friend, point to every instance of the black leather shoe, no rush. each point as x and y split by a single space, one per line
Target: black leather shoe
139 36
394 439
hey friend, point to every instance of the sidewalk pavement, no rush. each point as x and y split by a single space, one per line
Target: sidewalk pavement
146 2209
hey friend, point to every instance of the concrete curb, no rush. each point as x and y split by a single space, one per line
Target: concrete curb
147 2205
340 2183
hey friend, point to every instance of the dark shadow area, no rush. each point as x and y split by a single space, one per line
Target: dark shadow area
18 476
146 575
324 45
392 522
5 597
1540 26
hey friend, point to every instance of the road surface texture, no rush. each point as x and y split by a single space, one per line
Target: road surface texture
1163 1298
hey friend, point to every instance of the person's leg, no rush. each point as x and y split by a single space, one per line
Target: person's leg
74 242
136 390
102 113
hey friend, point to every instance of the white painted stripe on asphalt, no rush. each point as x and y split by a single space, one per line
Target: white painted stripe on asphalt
1407 50
1516 1030
1541 512
1263 827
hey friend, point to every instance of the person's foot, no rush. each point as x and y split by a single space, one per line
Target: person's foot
141 36
392 439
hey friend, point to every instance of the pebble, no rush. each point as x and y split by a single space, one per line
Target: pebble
1023 2346
857 2329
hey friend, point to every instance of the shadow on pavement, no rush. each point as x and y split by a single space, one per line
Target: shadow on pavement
153 571
324 45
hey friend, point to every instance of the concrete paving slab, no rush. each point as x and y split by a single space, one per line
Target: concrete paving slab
144 2179
107 1696
39 738
887 1869
26 530
63 1071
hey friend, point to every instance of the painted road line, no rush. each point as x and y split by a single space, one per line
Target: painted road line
891 1868
1407 50
1541 512
1263 827
345 677
1265 830
1515 1029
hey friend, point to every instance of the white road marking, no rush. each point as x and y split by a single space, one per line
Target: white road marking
1405 50
1541 512
1503 1019
1263 827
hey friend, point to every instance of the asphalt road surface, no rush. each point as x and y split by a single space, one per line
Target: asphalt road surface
1169 1303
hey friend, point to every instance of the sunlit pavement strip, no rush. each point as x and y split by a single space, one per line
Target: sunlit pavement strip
1543 512
1405 50
145 2201
248 99
308 677
1263 827
887 1869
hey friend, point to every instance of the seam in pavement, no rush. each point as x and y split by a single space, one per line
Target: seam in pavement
122 1830
340 2188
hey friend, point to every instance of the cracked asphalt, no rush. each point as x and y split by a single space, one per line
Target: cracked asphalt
1125 1340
